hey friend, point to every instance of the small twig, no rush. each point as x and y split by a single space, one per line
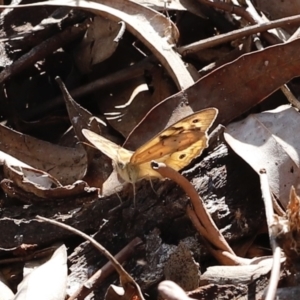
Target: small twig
227 37
126 280
37 254
284 88
43 49
136 70
240 11
94 281
201 218
231 8
267 198
121 32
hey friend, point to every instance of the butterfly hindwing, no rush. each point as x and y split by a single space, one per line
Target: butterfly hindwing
181 159
145 171
177 137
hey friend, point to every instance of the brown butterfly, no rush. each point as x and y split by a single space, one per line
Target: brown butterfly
176 146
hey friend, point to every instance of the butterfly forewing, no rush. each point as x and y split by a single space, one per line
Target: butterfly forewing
110 149
177 137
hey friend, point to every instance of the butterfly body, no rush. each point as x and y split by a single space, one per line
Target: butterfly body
126 170
176 146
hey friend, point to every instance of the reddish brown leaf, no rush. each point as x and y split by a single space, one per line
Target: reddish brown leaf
233 88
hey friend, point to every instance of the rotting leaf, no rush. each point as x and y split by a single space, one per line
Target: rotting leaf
156 31
267 140
41 184
65 164
127 105
79 117
233 88
98 44
99 167
274 9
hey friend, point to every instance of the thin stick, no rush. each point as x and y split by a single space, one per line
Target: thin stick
284 88
43 49
134 71
242 12
275 272
229 7
227 37
127 281
94 281
200 217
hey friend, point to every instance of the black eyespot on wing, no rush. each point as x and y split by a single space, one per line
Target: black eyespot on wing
182 156
177 128
195 121
195 129
163 137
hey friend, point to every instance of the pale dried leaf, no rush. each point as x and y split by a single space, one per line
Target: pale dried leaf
127 105
98 44
48 281
5 291
171 291
238 274
268 140
42 184
81 118
4 157
181 5
65 164
115 293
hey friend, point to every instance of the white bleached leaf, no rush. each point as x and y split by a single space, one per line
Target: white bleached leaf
269 140
47 281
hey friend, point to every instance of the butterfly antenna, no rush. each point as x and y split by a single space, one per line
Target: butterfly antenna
152 187
87 144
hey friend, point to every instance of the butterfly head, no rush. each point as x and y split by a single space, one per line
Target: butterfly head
120 165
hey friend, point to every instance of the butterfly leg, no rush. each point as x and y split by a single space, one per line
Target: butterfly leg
121 201
134 193
152 187
133 188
